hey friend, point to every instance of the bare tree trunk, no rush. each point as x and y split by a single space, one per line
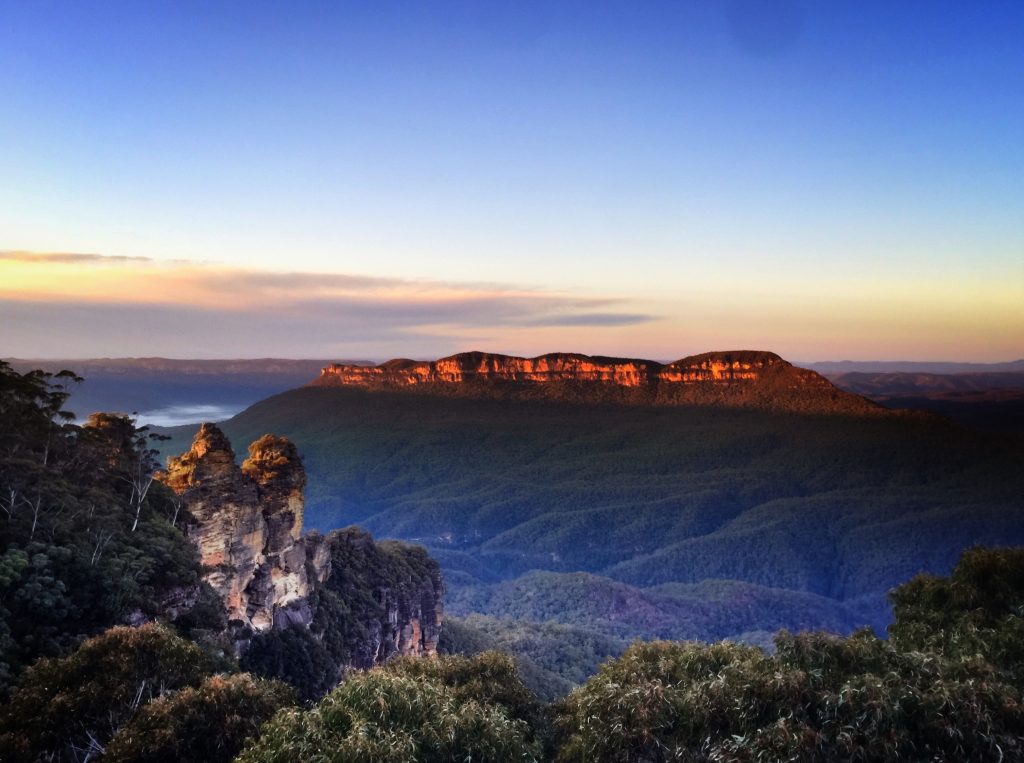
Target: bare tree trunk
177 502
9 504
35 513
102 539
94 748
139 491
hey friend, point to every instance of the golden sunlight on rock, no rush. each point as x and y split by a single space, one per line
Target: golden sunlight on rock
742 378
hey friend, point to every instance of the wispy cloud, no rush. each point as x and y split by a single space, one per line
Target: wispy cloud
67 257
594 319
54 304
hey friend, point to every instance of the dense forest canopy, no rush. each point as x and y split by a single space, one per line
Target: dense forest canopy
950 691
832 505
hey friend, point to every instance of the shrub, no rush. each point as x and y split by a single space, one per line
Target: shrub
426 710
820 697
207 724
64 707
490 678
977 611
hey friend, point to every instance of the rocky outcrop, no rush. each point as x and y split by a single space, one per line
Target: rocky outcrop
247 525
404 615
739 378
365 601
481 366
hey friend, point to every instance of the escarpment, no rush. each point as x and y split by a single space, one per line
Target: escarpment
367 601
744 378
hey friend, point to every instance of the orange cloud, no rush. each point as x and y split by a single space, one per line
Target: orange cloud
61 304
136 305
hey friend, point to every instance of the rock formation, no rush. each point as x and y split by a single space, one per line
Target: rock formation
247 523
738 378
404 615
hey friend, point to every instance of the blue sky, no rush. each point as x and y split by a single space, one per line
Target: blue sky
824 179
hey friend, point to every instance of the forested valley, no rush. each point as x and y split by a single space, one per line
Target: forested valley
113 649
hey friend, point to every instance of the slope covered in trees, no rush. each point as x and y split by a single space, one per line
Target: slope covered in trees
836 507
946 686
86 535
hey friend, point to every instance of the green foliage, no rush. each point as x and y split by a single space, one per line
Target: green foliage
68 706
205 724
490 678
552 658
427 711
819 698
705 611
84 542
295 656
977 611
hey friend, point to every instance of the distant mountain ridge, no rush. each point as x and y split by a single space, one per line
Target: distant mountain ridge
831 367
893 384
982 400
203 366
740 378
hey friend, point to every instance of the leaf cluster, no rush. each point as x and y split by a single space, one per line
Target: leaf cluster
135 694
413 710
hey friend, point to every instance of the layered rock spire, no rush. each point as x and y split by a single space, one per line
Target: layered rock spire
247 524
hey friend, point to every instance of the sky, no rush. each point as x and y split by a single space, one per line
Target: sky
369 180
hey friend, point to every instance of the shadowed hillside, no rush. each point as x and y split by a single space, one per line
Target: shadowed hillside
841 507
982 400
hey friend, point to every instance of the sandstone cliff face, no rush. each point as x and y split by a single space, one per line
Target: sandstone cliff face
738 378
248 522
404 616
366 601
